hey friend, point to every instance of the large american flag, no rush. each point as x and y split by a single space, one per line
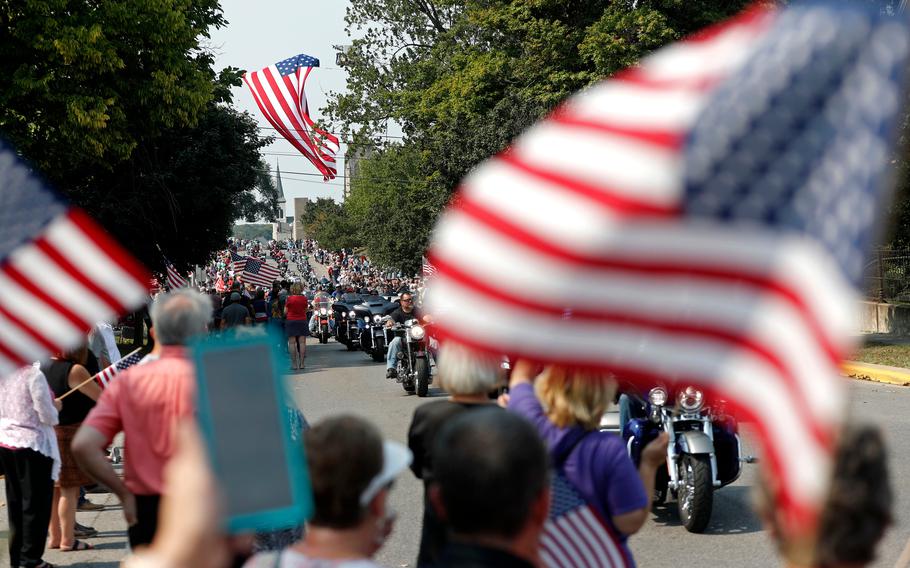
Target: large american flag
104 377
60 273
259 272
278 91
575 535
703 217
238 262
174 279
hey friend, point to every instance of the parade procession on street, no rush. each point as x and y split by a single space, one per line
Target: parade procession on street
551 284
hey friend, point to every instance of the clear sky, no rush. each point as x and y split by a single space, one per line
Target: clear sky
262 32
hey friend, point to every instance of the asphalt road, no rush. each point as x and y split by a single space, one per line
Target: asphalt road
337 381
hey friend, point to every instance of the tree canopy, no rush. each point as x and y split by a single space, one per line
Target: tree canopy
118 105
463 78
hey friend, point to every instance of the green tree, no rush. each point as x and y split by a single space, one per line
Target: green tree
393 207
118 105
328 222
463 78
83 82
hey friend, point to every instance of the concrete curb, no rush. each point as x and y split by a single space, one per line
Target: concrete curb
877 373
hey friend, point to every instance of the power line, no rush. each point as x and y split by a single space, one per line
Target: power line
284 177
334 132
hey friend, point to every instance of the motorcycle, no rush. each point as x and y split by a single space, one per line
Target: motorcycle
704 452
413 362
373 339
347 328
324 327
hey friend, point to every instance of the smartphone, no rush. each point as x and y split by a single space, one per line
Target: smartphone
243 413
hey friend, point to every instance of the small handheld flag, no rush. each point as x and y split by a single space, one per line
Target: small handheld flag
59 271
104 377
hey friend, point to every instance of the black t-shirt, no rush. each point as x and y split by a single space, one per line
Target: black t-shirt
399 315
428 419
234 315
75 406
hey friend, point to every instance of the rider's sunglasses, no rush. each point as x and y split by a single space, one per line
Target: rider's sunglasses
406 300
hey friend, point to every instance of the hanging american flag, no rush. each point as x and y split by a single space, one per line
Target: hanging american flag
703 218
278 91
575 535
427 268
104 377
238 262
260 273
59 271
174 279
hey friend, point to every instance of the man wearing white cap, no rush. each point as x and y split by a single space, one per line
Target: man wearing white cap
351 471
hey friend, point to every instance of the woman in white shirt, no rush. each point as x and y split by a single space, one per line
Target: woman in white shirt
31 461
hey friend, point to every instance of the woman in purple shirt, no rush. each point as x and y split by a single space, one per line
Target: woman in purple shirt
598 466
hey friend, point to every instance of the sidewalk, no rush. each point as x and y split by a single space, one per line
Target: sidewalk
110 543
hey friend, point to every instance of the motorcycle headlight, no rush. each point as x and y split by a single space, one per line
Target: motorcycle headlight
417 332
323 311
377 318
350 314
658 396
690 399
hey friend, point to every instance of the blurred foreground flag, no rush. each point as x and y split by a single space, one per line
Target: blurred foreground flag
703 218
279 93
59 272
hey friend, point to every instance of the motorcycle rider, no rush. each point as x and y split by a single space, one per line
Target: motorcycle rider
321 300
403 314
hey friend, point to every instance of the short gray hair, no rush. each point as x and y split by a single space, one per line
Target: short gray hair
463 371
178 316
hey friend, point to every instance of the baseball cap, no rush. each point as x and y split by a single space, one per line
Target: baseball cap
395 459
235 296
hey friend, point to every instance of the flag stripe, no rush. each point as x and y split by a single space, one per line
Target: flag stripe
740 276
666 139
114 252
52 253
265 105
29 287
102 260
595 193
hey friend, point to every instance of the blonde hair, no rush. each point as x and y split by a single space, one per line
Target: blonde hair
296 289
571 396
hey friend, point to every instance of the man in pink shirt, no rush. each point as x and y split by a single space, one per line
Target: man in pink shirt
146 403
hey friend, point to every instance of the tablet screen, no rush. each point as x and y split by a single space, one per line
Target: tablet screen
247 423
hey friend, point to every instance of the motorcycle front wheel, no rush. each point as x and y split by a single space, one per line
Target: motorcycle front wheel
422 372
696 492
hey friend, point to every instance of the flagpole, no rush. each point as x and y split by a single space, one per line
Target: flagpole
87 381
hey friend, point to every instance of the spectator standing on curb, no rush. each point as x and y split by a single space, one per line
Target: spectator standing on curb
65 371
146 402
31 462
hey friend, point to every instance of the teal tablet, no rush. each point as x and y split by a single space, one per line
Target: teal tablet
243 412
